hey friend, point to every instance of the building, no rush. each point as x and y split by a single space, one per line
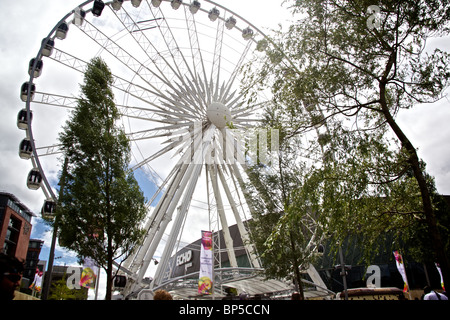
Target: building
32 262
418 274
181 276
15 226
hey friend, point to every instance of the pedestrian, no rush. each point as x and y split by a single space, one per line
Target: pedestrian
432 295
243 295
11 270
162 295
296 296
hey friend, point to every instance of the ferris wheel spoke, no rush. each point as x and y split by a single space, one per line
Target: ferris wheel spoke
124 57
180 101
246 110
142 93
215 71
147 134
178 58
197 58
49 150
242 230
236 70
148 48
61 101
140 70
55 100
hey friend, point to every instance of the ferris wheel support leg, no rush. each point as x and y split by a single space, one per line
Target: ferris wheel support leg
183 208
156 219
158 224
223 219
190 177
235 172
242 230
166 209
135 259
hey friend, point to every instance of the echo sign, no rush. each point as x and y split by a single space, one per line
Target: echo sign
184 258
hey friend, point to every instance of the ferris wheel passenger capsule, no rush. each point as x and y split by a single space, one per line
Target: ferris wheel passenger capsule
156 3
34 179
194 7
176 4
79 17
48 46
98 8
213 14
22 118
25 149
37 70
61 31
230 23
247 33
48 209
24 91
117 4
136 3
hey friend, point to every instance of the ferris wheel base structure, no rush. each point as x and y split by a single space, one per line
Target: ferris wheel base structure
183 283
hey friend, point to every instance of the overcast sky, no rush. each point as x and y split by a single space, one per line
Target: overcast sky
23 25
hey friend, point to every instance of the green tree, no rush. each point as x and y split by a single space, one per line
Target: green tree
102 205
284 229
60 291
361 64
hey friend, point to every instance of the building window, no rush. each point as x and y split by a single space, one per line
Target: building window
12 236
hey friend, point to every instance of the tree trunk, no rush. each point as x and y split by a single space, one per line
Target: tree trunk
109 271
296 267
109 249
413 160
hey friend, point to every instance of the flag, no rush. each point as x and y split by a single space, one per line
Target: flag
37 282
89 274
205 282
440 273
401 269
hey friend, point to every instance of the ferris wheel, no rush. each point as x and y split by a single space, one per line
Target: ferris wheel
177 68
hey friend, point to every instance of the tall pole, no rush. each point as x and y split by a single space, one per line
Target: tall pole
51 258
97 282
343 272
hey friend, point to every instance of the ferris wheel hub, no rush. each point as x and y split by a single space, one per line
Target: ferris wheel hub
219 114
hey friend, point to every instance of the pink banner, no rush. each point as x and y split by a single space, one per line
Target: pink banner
401 269
89 275
438 267
205 282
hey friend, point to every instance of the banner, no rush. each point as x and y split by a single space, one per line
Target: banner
440 273
401 269
89 275
205 282
37 282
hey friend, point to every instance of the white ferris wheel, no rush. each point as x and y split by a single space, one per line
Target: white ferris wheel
177 71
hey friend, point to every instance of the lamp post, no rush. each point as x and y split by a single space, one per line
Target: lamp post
48 274
343 273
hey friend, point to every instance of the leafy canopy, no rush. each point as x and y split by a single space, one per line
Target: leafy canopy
102 205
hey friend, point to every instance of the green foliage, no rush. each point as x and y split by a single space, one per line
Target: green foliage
344 72
282 225
102 205
60 291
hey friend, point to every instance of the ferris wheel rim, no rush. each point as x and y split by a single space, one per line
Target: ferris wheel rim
46 185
